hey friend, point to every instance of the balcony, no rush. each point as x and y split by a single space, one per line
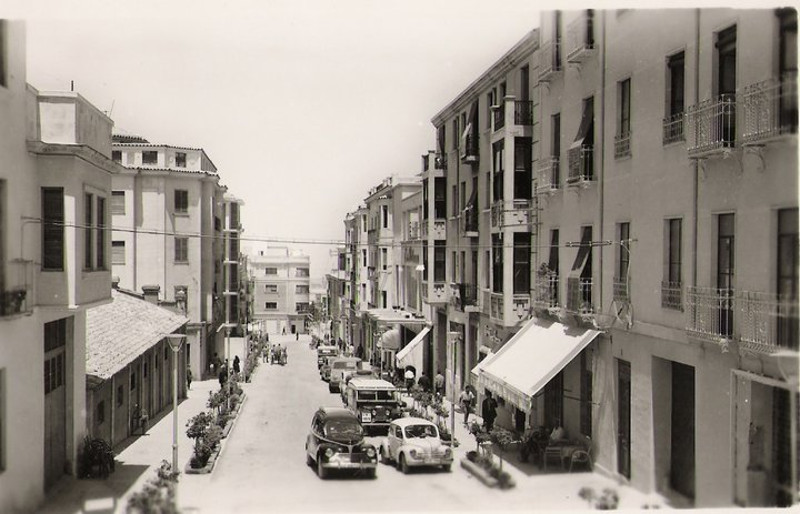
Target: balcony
469 148
622 146
547 176
672 295
439 229
581 165
766 322
546 292
498 116
549 61
580 39
15 297
579 295
711 127
496 307
622 291
468 297
513 213
673 129
413 230
769 110
439 293
710 314
469 223
523 112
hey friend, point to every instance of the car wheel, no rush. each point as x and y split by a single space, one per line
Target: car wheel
446 468
371 473
321 471
403 464
309 460
385 456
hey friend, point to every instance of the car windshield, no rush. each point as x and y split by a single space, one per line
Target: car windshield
344 430
376 395
327 352
421 431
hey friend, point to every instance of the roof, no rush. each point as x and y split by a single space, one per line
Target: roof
337 412
371 383
117 333
404 422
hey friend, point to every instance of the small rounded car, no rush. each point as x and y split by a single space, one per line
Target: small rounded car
415 442
336 441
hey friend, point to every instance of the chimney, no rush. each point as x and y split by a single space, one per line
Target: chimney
114 282
151 293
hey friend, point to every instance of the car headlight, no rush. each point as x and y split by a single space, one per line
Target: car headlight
370 452
413 454
447 452
329 453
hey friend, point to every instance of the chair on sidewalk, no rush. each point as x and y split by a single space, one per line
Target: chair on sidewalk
582 456
552 452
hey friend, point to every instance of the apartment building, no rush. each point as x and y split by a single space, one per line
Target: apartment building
355 224
637 256
171 223
233 288
55 189
281 289
338 294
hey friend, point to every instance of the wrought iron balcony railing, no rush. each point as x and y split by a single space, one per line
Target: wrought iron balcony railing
622 290
468 295
579 295
546 292
710 313
622 145
580 38
523 112
769 109
767 322
673 129
549 61
469 148
711 126
672 295
581 164
548 176
499 116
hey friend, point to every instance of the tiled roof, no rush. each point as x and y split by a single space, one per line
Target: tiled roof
120 331
210 173
145 143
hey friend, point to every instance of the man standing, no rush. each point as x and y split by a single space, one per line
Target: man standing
466 400
438 382
488 411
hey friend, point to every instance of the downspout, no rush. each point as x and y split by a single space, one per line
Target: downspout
696 165
601 202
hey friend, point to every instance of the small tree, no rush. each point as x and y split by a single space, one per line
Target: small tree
198 427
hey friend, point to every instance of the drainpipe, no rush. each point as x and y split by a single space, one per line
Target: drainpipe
696 165
601 202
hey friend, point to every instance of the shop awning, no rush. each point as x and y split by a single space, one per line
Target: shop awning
476 371
390 340
412 354
524 365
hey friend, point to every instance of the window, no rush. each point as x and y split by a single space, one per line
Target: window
182 249
454 200
439 198
383 300
726 61
271 306
622 146
586 394
101 412
522 168
271 288
116 156
453 267
456 135
2 370
787 68
299 289
623 255
117 202
150 157
301 307
497 263
133 379
301 272
552 261
557 41
384 258
439 261
490 101
52 228
673 121
100 240
522 263
671 285
117 252
363 257
145 366
581 152
181 201
497 169
180 159
725 271
787 286
88 229
271 271
120 395
385 216
555 142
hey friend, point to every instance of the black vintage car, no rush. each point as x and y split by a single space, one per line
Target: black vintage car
336 441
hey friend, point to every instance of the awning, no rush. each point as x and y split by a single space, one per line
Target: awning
535 355
390 340
583 252
586 128
412 354
476 371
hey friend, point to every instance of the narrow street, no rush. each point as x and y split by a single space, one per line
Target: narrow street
263 467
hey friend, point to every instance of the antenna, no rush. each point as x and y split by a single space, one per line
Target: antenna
112 109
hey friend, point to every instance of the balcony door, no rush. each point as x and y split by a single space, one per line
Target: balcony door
624 418
787 287
726 86
725 272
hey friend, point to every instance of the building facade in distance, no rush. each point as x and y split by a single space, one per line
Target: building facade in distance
281 289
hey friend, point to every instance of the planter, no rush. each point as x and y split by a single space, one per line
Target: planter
479 473
212 460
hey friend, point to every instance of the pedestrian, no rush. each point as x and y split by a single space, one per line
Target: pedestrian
488 411
267 335
236 366
466 398
223 376
188 378
438 382
297 336
144 419
284 331
409 376
424 382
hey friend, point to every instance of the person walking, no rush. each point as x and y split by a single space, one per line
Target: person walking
223 376
236 365
466 398
409 376
488 411
438 382
424 382
188 378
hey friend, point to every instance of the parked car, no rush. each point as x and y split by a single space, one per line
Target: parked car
325 369
340 366
415 442
346 380
336 441
374 401
325 351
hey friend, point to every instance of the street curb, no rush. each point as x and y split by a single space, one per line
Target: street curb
217 454
479 473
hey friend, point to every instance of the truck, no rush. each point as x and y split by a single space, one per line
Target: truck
374 401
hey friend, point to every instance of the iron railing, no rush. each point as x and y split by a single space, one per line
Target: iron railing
579 295
499 116
769 109
710 313
767 322
523 112
622 289
581 164
580 38
672 295
549 60
622 145
548 176
711 126
468 295
546 292
469 150
673 129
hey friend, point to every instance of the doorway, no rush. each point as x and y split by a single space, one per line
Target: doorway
624 418
682 446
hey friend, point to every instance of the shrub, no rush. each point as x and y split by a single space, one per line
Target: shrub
157 495
213 436
608 500
198 425
97 458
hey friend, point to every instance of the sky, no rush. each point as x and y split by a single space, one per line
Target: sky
303 106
